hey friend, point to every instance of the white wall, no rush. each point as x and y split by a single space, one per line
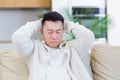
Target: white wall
59 5
114 30
88 3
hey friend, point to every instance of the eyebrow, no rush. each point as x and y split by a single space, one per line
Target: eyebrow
52 30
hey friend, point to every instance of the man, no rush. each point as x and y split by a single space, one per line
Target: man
53 58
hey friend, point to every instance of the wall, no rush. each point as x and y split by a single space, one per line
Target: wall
114 29
59 5
11 20
89 3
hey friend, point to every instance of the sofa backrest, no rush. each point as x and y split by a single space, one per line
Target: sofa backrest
105 62
12 66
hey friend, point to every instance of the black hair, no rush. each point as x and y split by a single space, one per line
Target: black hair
52 16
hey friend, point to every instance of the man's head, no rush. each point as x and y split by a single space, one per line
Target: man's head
52 28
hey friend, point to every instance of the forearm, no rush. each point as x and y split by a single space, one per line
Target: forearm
84 38
78 30
22 38
83 41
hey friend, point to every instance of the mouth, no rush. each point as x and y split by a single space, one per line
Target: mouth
54 41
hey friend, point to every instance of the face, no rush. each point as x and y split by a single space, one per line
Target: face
52 33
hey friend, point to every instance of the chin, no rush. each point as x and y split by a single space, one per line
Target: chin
53 46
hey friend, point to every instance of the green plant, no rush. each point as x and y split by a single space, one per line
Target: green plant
98 25
42 11
68 16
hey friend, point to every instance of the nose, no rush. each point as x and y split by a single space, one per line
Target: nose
54 36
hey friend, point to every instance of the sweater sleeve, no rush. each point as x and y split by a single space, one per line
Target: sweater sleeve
84 38
22 38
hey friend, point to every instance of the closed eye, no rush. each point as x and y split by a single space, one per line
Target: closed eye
50 32
58 32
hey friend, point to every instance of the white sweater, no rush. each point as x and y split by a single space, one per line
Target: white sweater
36 54
56 65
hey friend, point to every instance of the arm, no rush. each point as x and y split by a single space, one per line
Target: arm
82 43
84 38
22 38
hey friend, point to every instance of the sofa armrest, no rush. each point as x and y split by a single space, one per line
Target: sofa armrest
12 66
105 62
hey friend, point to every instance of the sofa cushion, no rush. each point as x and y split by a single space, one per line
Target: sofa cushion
105 62
12 66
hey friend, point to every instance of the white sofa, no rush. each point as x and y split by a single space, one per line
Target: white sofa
105 64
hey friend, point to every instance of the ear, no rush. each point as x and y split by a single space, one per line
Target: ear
65 27
41 31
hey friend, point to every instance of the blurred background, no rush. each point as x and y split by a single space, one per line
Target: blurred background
100 16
